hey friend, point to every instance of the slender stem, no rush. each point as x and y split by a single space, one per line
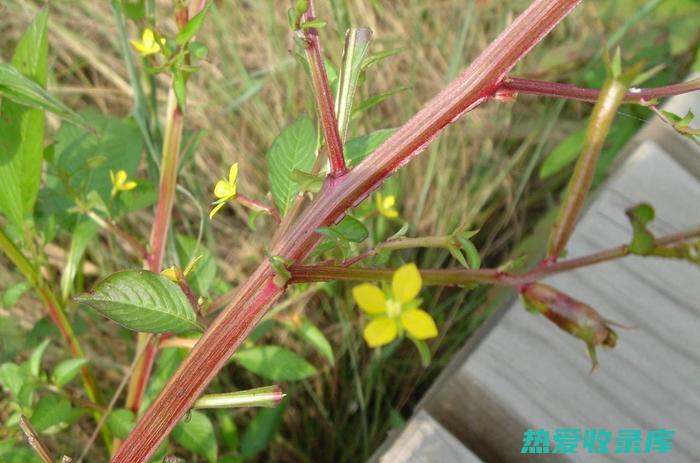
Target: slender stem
402 243
324 96
58 317
127 237
34 440
462 276
514 85
476 84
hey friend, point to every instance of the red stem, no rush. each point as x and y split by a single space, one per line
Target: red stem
324 97
515 85
233 325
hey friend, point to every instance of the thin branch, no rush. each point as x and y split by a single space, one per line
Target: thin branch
511 86
462 276
34 441
324 96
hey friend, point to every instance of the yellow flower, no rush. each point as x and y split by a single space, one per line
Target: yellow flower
396 311
225 190
119 182
148 44
385 205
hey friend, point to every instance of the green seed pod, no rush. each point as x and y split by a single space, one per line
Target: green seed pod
572 316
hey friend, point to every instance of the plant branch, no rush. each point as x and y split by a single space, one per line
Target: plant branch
476 84
462 276
34 441
324 96
511 86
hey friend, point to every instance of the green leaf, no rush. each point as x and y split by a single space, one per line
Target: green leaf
180 88
473 257
351 229
294 149
314 23
121 422
192 27
82 235
228 430
275 363
196 433
142 301
13 293
51 414
563 154
82 161
356 45
375 58
359 148
22 127
12 337
375 100
12 378
642 239
201 278
423 351
34 362
307 182
67 370
314 336
261 430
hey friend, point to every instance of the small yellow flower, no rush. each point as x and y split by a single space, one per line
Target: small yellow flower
119 182
148 44
396 311
385 206
225 190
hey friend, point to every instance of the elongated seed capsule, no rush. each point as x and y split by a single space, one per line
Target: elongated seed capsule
571 315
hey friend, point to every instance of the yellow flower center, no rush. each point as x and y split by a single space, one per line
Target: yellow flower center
393 308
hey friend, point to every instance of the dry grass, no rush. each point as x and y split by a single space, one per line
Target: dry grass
479 173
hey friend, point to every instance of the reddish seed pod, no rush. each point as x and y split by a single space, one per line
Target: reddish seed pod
571 315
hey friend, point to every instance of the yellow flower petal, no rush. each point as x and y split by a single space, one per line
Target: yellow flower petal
170 274
233 175
148 38
406 283
419 324
120 178
380 331
389 202
390 213
130 185
216 209
370 298
222 189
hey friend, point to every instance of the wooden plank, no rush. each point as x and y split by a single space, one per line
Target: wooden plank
424 440
528 374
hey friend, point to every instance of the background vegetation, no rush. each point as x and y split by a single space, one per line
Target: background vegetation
482 173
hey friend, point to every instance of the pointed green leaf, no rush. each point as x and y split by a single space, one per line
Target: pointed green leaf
356 45
642 239
83 233
192 27
121 422
359 148
314 336
294 148
142 301
34 362
261 430
563 154
22 127
67 370
196 433
275 363
351 229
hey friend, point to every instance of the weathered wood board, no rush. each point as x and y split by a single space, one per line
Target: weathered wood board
526 373
424 440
